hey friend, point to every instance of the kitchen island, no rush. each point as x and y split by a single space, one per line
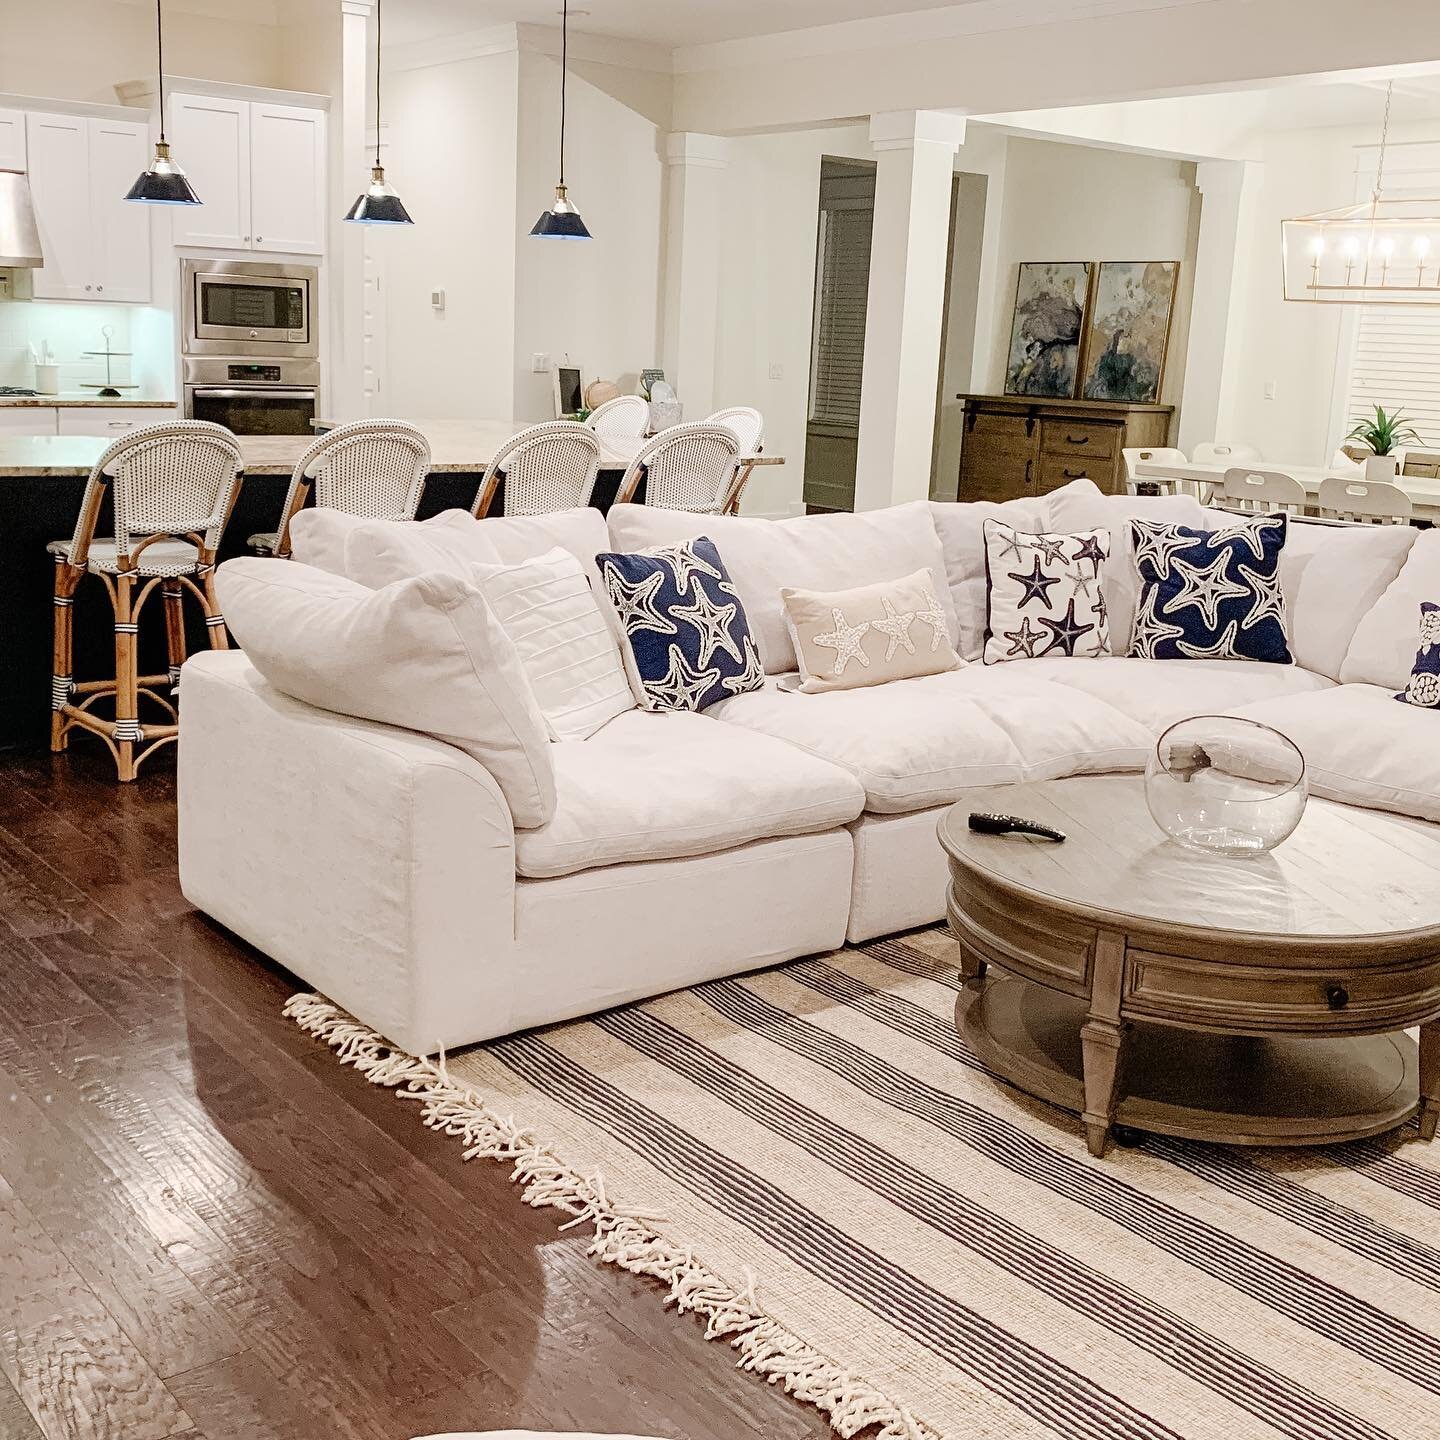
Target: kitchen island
42 479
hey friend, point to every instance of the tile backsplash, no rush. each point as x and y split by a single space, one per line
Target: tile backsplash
71 328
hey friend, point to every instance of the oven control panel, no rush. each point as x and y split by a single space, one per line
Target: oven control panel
269 374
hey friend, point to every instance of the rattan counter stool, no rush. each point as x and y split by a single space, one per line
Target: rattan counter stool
173 487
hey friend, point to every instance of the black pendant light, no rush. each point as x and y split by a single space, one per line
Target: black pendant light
164 183
377 203
562 220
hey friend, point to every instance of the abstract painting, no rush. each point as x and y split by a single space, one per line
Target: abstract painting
1129 330
1050 300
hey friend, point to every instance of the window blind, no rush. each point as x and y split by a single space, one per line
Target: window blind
841 292
1396 363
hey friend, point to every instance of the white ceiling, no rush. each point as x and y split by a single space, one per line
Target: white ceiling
1297 107
668 23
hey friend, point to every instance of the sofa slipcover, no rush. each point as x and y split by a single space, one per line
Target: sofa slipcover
917 743
650 786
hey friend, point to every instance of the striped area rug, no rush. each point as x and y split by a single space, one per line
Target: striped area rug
811 1159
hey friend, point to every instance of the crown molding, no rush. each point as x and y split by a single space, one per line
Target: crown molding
980 17
143 92
533 40
450 49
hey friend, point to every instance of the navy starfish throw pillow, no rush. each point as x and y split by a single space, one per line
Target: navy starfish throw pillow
1211 594
688 643
1423 686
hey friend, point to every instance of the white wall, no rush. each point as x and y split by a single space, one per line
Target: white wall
599 300
451 155
767 292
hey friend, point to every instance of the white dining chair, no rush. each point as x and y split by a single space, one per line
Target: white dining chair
624 415
1214 452
1371 502
749 427
1262 490
1134 455
687 467
546 468
372 468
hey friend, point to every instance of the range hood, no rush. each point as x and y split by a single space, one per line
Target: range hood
19 236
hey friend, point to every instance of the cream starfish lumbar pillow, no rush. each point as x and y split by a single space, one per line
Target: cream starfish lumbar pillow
892 630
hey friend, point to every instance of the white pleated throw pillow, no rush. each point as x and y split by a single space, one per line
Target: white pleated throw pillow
424 654
573 664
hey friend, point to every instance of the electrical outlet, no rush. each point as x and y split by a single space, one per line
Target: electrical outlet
437 300
1269 389
777 372
539 363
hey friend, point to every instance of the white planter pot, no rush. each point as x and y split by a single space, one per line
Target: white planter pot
1380 468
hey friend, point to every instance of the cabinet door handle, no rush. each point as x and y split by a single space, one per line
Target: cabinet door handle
99 287
118 424
259 239
89 287
1072 474
1077 439
1337 997
1029 472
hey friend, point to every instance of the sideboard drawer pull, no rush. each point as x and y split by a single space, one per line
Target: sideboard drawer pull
1337 997
1077 439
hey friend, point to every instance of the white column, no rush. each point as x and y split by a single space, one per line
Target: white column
904 312
1229 191
695 229
349 174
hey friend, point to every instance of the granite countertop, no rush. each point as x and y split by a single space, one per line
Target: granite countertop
80 400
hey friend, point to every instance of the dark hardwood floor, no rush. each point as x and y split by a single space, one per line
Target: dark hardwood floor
209 1228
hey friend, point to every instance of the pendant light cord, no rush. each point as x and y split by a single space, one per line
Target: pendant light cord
160 64
1384 136
377 84
564 73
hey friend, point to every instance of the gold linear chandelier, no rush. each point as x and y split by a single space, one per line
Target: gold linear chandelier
1379 252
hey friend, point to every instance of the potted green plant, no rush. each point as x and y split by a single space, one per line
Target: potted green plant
1382 436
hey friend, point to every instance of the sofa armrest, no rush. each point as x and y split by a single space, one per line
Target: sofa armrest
376 863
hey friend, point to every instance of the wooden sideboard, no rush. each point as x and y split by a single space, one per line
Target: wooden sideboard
1018 445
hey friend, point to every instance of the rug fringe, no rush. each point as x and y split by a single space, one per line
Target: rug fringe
622 1237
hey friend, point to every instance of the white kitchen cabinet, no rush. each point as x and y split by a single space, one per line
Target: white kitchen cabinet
210 139
59 156
12 139
287 178
27 419
110 420
258 168
96 245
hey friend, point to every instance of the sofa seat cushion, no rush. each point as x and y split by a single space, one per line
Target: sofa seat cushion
923 742
1157 693
655 786
1362 746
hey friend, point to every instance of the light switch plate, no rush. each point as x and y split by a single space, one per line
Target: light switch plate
777 372
539 363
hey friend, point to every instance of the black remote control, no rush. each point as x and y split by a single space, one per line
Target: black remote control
988 824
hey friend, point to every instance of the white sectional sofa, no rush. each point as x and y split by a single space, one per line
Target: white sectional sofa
383 867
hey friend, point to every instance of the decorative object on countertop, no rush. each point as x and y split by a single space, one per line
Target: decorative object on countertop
1211 594
173 485
685 467
110 390
665 410
562 220
1226 785
546 468
600 392
1382 437
687 639
1128 333
868 635
378 204
371 468
1051 300
1043 594
164 183
1423 686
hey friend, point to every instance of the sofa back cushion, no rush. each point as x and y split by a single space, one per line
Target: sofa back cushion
424 654
1332 576
1082 505
1382 650
809 552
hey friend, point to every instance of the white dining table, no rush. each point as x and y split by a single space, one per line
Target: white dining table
1423 491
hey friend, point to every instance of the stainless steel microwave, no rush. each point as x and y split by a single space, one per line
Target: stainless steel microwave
239 307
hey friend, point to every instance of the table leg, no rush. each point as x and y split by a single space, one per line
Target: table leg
972 965
1429 1079
1102 1041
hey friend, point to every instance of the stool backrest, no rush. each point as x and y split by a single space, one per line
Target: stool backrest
747 423
1375 501
1134 455
687 467
624 415
546 468
1220 452
179 478
1263 490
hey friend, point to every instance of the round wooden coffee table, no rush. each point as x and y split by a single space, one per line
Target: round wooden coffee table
1253 1002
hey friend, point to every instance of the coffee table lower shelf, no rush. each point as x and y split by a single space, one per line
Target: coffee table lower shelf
1233 1089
